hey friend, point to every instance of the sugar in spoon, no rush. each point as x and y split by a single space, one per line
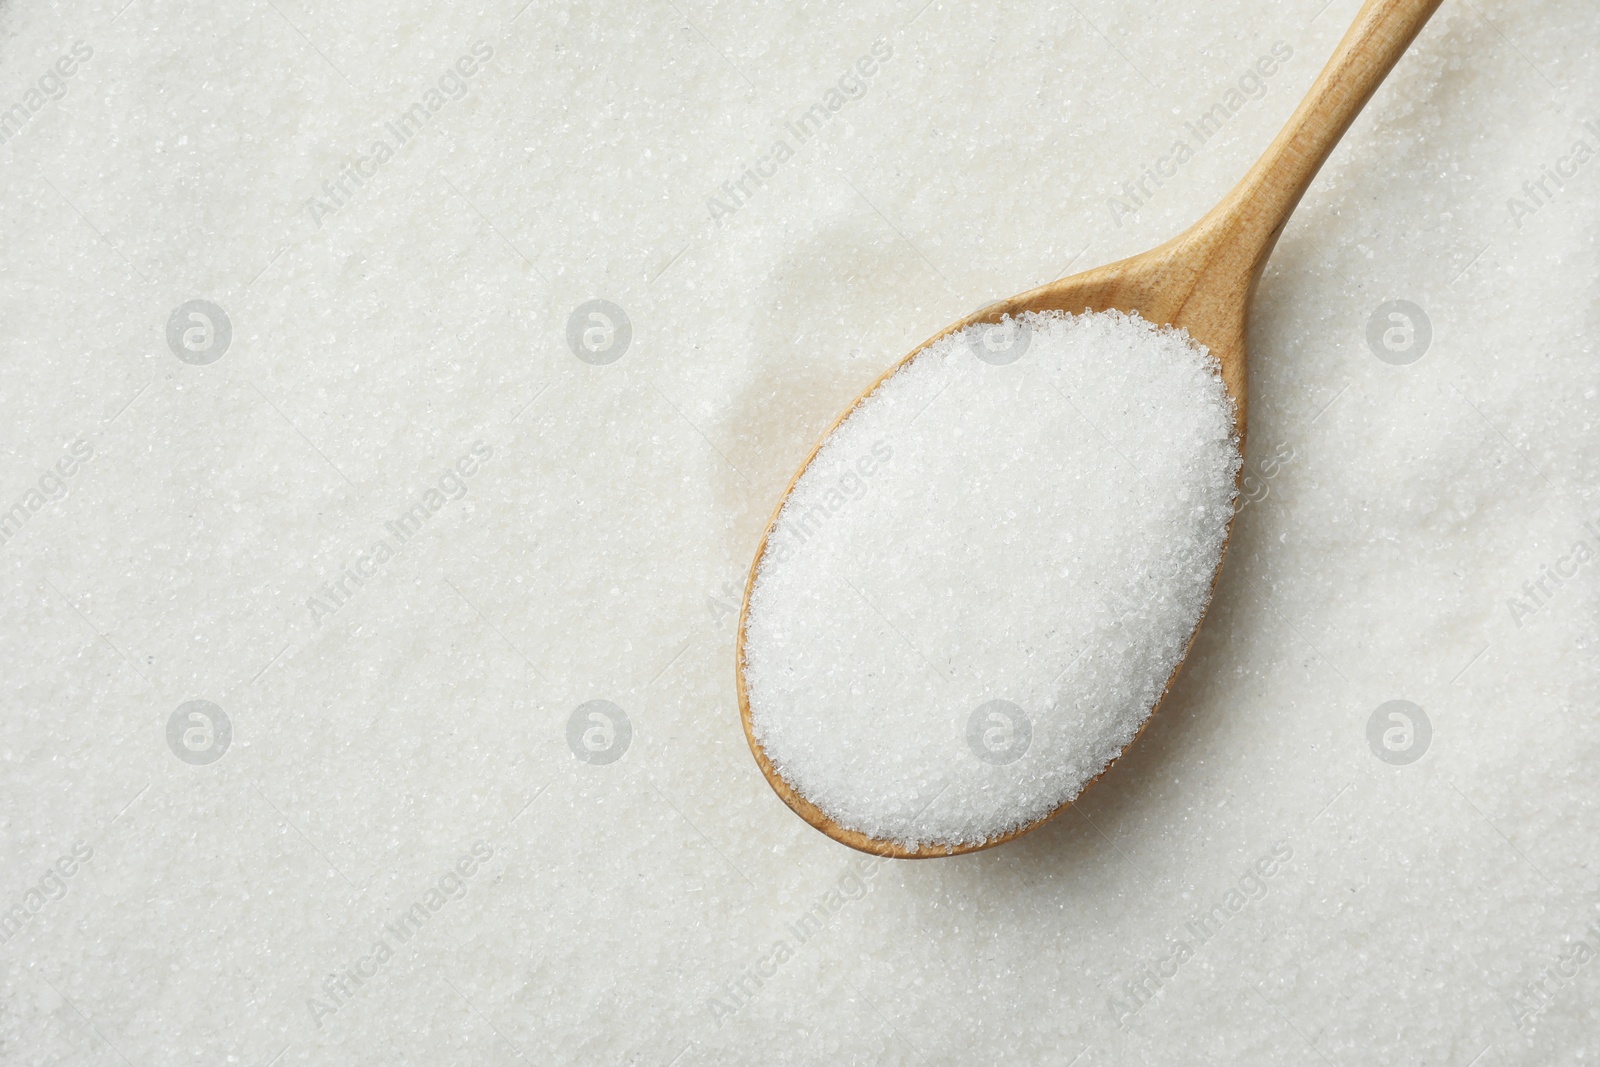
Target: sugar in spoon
1202 280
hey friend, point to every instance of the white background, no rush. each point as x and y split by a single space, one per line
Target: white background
597 555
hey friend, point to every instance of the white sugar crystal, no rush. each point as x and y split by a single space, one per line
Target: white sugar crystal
979 588
1409 530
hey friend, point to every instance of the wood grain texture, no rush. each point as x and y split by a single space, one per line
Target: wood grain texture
1202 280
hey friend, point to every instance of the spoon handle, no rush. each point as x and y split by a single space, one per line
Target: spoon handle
1253 214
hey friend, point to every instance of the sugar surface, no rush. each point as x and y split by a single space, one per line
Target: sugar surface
1395 514
1029 513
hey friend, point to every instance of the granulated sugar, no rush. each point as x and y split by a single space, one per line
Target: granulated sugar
649 900
982 583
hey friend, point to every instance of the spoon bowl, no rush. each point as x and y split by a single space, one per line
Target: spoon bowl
1203 281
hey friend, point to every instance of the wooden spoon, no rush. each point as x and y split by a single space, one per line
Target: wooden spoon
1202 280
